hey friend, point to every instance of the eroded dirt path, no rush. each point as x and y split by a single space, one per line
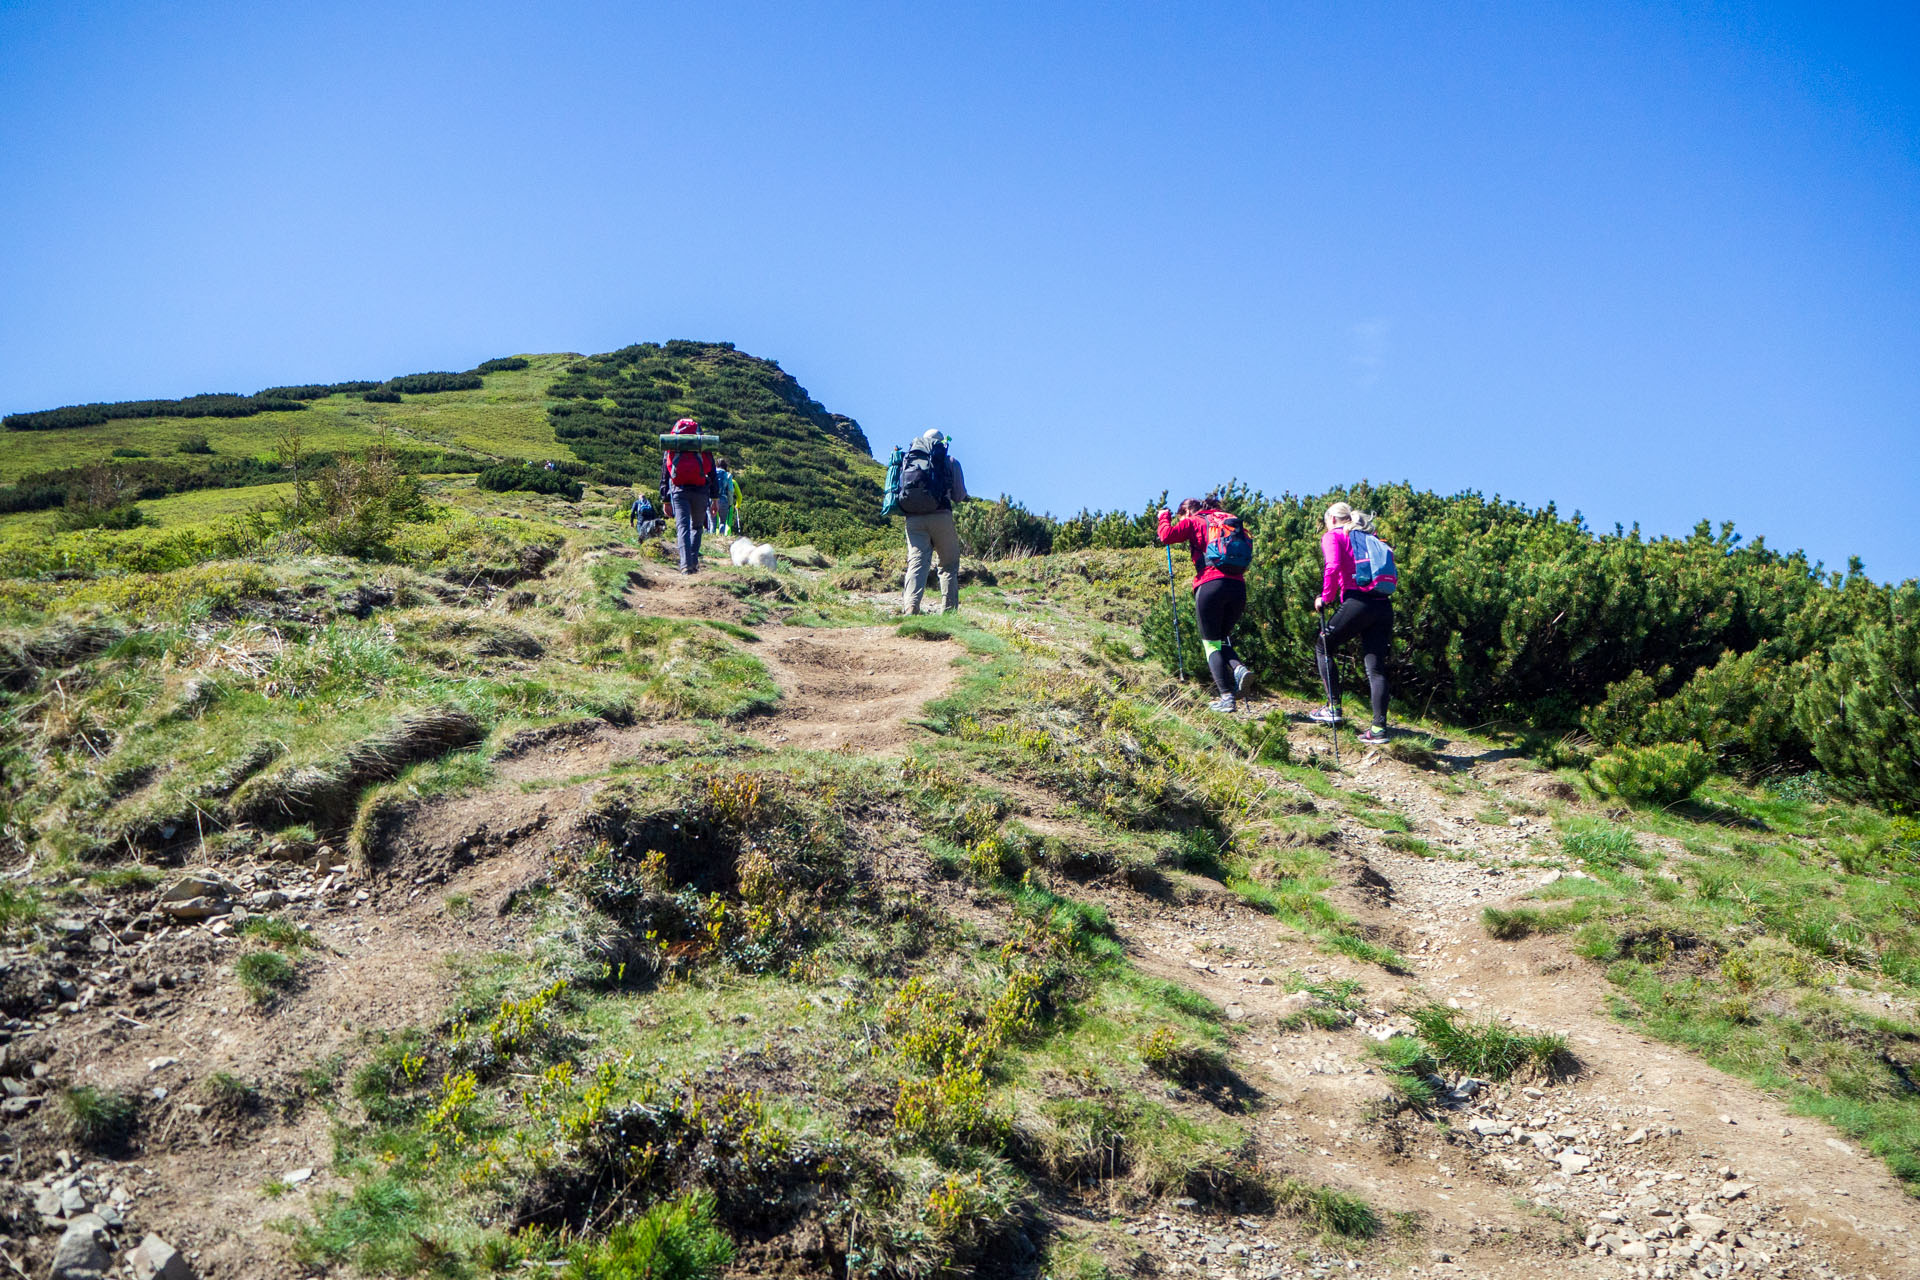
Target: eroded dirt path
1519 1181
842 688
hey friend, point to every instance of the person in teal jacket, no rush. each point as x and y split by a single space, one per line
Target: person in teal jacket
726 499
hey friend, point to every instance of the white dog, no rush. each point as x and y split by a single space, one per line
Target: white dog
760 555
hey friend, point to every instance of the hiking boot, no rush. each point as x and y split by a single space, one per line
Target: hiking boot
1225 702
1241 671
1375 736
1325 715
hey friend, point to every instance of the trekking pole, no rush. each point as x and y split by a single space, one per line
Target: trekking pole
1173 597
1333 727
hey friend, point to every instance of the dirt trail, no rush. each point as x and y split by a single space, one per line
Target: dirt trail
1640 1137
843 688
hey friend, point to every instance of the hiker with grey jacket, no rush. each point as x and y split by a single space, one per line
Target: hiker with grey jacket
923 483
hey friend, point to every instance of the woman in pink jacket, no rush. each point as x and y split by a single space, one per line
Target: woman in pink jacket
1364 613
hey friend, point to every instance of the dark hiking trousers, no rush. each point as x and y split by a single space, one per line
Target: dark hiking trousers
689 519
1218 605
1371 618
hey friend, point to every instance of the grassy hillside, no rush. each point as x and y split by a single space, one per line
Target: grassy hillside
491 896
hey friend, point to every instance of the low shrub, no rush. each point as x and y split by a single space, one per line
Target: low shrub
1663 774
523 477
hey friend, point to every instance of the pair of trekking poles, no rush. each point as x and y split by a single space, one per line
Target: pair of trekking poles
1180 649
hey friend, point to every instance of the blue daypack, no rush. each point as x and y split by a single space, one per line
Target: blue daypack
1373 568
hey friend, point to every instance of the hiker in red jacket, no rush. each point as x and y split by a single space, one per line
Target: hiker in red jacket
1221 551
685 478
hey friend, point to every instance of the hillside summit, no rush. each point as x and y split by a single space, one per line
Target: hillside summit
407 874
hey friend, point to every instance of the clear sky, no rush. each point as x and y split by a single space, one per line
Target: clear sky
1651 262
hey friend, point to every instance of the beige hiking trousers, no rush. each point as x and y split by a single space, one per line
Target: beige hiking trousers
926 535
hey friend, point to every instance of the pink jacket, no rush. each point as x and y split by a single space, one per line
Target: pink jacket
1338 579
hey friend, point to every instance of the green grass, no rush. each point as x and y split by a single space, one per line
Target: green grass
1511 923
93 1117
673 1240
1337 1215
506 418
265 975
1488 1050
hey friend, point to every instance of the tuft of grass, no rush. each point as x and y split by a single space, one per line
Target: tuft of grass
277 932
1337 1215
1409 1068
114 879
230 1093
95 1117
265 975
1401 842
1359 948
19 908
1606 848
1487 1050
1509 924
673 1240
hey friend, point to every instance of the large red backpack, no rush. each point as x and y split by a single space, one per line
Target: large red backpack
689 467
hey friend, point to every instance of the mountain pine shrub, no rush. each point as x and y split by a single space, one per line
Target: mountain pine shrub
1861 711
1665 773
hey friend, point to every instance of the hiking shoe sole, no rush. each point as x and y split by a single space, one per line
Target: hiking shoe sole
1241 672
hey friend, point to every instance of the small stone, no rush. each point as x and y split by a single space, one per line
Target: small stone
79 1256
297 1177
155 1259
1634 1249
1572 1162
1733 1190
72 1201
1236 1013
1490 1128
1637 1136
160 1064
1705 1225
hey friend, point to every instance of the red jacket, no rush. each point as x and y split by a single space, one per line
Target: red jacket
1193 531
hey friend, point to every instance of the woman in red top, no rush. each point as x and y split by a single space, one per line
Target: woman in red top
1219 598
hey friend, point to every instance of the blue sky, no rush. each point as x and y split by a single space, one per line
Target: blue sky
1654 263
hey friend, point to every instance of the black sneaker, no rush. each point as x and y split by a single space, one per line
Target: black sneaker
1325 715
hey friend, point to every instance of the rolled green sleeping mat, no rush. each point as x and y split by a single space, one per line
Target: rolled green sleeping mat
688 444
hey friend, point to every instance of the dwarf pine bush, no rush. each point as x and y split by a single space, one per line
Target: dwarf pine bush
1663 774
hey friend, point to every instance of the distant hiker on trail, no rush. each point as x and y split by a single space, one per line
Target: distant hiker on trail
644 518
922 485
685 477
1221 552
1360 578
726 499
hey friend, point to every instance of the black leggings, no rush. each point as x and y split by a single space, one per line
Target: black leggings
1371 618
1218 605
